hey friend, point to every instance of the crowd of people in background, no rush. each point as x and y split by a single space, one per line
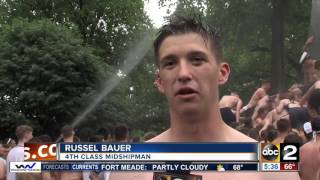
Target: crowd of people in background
12 150
292 116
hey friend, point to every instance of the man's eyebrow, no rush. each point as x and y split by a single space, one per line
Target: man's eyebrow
168 57
192 53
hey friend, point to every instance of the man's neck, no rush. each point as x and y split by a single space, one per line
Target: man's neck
68 139
197 128
318 138
20 142
283 135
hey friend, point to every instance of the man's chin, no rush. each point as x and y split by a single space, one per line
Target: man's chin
189 110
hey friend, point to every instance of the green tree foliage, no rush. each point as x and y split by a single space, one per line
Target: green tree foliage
46 74
247 36
246 32
107 25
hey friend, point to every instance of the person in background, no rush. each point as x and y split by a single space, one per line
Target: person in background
121 133
68 134
228 105
283 126
310 155
260 93
293 137
16 154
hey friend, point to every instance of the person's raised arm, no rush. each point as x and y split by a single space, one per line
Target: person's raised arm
258 94
309 41
238 108
307 95
281 105
268 121
255 116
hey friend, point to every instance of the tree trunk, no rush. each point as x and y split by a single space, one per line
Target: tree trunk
315 29
278 15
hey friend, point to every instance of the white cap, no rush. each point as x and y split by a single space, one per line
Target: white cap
307 127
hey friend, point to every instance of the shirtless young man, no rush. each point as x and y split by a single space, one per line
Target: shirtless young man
191 68
310 155
256 97
227 104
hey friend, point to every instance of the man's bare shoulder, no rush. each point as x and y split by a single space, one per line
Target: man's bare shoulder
306 147
230 135
163 137
317 84
236 136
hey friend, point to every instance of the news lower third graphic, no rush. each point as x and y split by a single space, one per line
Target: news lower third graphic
40 152
279 157
158 157
158 152
30 167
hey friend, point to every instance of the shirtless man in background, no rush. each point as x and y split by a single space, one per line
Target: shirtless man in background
310 155
191 69
259 94
230 106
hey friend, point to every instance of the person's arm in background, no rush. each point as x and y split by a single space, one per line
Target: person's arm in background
268 121
309 41
258 94
306 96
2 170
254 117
238 108
281 105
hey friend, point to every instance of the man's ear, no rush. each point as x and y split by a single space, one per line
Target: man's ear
224 72
158 82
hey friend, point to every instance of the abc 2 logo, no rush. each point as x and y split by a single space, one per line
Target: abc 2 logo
283 152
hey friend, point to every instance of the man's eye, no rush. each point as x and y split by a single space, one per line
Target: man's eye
169 63
197 60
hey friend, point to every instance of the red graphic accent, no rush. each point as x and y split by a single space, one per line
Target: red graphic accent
289 167
40 152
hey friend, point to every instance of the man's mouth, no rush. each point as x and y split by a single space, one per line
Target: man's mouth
186 92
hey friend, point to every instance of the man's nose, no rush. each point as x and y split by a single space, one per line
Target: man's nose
184 74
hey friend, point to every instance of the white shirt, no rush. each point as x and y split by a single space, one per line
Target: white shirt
16 154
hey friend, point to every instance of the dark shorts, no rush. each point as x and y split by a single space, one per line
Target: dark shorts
227 115
248 113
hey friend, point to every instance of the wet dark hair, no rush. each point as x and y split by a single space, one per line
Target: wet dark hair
293 137
179 25
315 123
269 134
67 131
283 125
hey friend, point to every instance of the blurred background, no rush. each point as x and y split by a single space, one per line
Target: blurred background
91 63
